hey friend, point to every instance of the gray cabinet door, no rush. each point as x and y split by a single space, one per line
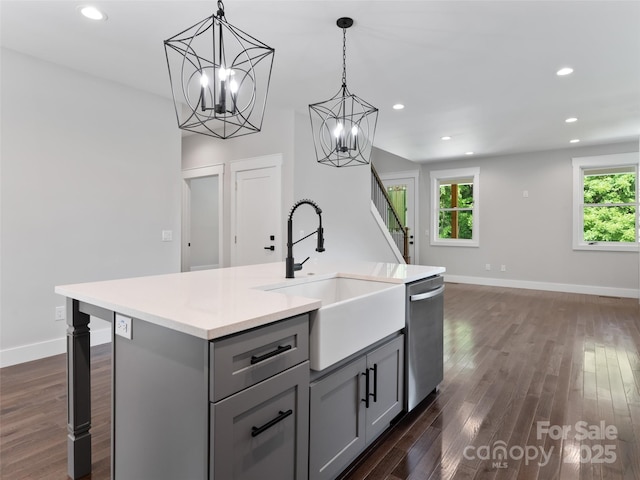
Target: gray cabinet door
386 389
262 432
337 426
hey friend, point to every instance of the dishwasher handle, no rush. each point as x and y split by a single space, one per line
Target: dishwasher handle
426 295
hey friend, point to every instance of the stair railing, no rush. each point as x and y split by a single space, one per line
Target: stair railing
390 216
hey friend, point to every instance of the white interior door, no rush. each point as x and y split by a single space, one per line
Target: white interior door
403 185
202 218
257 211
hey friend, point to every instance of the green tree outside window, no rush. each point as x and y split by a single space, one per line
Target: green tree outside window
609 212
456 210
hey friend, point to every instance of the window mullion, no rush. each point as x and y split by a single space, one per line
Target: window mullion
610 204
454 213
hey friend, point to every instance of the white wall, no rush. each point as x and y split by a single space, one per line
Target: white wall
90 178
276 137
344 195
531 236
386 162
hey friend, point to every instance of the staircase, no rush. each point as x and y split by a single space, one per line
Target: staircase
398 235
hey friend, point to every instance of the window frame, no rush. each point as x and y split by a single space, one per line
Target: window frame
602 162
438 176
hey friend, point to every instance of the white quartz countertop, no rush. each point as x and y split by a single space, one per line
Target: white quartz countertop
213 303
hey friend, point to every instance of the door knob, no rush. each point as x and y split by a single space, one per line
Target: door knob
272 248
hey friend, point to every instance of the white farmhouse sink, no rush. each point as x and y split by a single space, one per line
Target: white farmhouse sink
354 314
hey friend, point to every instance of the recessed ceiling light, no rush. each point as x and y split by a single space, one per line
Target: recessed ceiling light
398 106
92 12
564 71
575 140
571 120
446 137
469 153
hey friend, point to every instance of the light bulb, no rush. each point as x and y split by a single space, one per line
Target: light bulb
204 80
564 71
233 87
222 73
338 130
354 130
92 13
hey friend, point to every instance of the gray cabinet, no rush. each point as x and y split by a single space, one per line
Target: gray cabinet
261 432
336 432
160 398
241 360
259 389
236 408
351 406
386 379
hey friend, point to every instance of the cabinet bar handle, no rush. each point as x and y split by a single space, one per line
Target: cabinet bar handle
375 382
277 351
255 431
366 388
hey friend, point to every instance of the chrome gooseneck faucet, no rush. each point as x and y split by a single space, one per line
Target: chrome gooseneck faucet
291 265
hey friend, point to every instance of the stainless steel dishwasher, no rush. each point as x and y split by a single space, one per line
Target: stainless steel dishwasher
424 332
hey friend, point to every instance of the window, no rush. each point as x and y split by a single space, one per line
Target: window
398 196
455 207
605 202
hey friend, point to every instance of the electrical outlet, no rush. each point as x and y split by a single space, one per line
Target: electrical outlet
487 266
122 326
167 235
60 313
503 268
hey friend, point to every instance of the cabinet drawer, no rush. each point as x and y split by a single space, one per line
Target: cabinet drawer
242 360
263 432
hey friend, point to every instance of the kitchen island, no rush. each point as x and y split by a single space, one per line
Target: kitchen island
166 327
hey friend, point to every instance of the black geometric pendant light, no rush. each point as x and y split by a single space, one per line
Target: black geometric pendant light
343 127
219 78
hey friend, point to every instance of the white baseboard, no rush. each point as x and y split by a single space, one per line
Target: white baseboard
550 287
36 351
205 267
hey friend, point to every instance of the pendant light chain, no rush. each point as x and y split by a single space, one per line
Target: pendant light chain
344 58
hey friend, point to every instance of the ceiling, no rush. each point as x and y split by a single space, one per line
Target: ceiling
482 72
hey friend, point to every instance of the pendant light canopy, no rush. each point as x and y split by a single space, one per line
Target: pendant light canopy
219 78
344 126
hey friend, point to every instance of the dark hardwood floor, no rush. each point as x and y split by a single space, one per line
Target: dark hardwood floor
520 365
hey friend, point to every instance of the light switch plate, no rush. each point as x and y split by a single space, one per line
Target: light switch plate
123 326
167 235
